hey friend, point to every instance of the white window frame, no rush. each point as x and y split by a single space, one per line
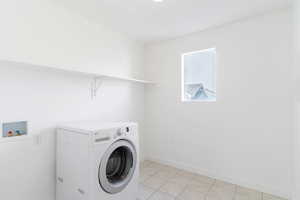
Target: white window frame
182 74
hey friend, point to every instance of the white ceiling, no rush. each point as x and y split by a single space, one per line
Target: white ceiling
148 21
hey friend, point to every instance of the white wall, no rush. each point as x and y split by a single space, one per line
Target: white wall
43 33
296 153
296 79
244 137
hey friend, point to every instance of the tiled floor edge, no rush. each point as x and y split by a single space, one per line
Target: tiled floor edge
226 179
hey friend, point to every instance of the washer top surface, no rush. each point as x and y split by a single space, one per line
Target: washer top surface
93 126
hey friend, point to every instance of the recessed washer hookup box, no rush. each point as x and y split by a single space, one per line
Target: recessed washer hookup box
13 129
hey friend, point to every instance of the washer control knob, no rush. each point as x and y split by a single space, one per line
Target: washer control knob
119 133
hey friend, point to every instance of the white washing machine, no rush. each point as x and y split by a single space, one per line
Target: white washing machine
97 161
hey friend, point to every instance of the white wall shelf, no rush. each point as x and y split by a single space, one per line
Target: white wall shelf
96 78
91 74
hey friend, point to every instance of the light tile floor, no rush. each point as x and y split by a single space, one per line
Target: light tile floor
161 182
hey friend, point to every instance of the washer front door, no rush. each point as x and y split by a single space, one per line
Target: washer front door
117 166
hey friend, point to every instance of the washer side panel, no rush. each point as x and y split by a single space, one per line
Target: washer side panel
72 166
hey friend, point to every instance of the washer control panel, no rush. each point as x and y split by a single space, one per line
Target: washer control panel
106 135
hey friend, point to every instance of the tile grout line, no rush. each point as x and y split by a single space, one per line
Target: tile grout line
210 188
169 181
150 176
235 192
184 188
158 189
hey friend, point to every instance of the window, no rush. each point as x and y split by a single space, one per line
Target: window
199 76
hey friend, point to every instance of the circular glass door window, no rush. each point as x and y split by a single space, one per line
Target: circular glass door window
117 166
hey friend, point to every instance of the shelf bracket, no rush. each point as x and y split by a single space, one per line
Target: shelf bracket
95 86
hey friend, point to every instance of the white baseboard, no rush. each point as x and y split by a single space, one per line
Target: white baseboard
193 169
